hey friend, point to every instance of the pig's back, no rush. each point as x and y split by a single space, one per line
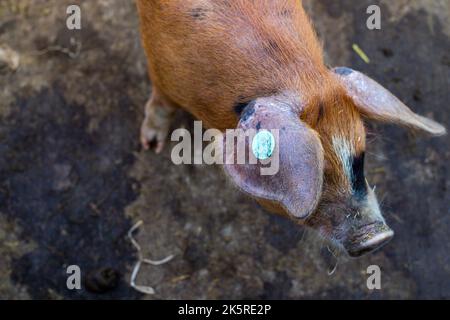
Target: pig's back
209 55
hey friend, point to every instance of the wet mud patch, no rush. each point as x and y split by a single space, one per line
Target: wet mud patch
67 189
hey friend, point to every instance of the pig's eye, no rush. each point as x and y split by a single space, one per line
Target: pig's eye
358 179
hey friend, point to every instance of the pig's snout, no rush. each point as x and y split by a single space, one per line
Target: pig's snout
367 238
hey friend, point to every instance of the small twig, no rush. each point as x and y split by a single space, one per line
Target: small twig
67 51
361 53
134 274
337 262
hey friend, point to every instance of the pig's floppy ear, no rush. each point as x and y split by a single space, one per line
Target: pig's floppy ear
295 152
376 102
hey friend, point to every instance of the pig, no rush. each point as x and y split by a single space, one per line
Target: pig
259 65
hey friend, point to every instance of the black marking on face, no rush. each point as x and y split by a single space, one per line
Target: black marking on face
239 107
258 125
248 111
343 71
358 179
198 13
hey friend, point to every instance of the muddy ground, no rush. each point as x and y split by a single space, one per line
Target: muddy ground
73 179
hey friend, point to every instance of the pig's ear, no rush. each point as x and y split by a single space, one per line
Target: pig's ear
292 174
376 102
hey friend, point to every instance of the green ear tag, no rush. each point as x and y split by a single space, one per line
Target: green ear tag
263 145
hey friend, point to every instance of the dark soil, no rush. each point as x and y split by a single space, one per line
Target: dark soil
73 179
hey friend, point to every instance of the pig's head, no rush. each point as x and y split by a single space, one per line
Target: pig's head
320 147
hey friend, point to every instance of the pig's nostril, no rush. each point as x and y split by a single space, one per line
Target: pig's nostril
376 241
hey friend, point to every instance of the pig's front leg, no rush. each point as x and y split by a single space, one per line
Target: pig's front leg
159 112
